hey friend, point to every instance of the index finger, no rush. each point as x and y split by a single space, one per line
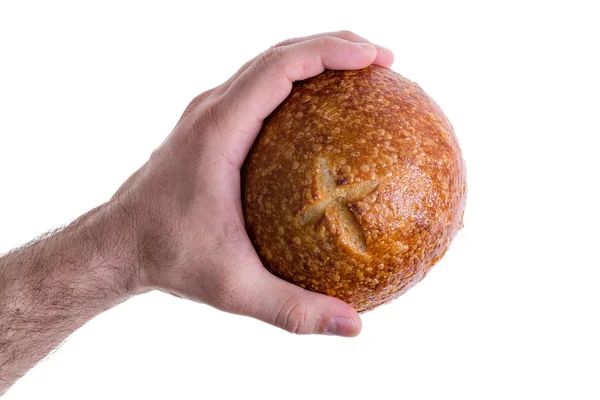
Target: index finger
268 81
384 58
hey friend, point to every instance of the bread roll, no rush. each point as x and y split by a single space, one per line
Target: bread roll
355 186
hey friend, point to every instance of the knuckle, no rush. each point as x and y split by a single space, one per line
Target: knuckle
215 115
347 34
272 56
297 319
294 317
283 43
196 101
324 41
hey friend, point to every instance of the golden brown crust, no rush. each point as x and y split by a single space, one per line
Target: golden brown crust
355 186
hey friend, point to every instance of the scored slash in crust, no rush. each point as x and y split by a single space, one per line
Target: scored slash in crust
334 200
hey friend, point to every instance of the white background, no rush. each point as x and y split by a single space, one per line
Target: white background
87 91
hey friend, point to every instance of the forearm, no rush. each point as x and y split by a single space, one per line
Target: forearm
51 287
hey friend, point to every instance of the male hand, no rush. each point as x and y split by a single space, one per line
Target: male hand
185 202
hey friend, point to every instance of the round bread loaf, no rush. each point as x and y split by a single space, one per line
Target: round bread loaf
355 186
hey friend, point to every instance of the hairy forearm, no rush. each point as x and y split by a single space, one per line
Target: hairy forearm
54 285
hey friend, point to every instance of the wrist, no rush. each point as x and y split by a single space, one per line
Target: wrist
149 246
111 236
95 257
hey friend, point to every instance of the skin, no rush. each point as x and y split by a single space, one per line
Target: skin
176 224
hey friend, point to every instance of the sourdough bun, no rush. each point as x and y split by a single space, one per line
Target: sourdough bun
355 186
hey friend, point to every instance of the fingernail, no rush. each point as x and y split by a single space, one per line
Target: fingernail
341 326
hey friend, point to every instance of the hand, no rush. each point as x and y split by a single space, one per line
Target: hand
185 201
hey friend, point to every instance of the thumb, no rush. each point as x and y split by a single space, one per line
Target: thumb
296 310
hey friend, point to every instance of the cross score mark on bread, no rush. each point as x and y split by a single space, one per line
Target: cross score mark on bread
333 201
